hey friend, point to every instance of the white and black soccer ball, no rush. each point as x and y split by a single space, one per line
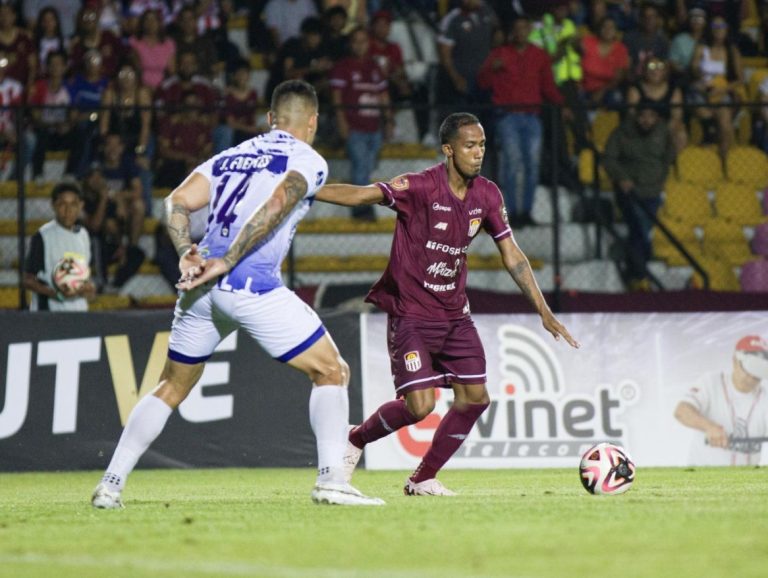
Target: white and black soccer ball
606 469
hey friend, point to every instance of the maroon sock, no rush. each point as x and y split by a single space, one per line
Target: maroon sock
389 418
450 434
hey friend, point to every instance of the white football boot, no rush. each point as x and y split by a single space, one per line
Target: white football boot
351 458
342 494
106 499
431 487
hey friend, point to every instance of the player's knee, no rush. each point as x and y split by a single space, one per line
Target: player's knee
330 372
421 408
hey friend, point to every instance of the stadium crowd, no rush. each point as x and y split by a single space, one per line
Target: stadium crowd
118 83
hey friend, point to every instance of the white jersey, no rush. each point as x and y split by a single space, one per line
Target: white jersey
242 179
740 414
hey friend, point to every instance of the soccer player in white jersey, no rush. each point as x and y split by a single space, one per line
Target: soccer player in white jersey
257 193
730 410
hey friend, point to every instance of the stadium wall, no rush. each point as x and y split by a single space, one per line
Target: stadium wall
70 380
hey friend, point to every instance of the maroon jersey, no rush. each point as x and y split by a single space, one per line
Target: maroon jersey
361 84
426 276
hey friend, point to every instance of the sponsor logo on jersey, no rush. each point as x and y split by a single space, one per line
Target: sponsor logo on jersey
435 246
439 288
320 177
442 269
438 207
442 226
399 183
474 225
412 361
475 211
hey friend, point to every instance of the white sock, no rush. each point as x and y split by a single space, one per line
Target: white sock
145 423
329 417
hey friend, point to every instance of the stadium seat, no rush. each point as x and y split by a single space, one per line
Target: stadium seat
664 249
753 87
721 275
738 203
724 240
754 276
760 240
686 202
603 125
748 166
700 165
587 171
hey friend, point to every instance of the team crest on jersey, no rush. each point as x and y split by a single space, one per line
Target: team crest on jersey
474 225
412 361
399 183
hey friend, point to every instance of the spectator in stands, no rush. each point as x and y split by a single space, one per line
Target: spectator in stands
648 40
718 79
137 9
59 238
188 39
284 18
18 46
335 41
684 44
655 86
66 10
731 11
153 51
90 37
519 76
356 11
114 213
241 106
606 61
85 92
126 111
304 58
556 34
110 15
48 37
360 95
52 126
183 142
464 42
637 158
11 94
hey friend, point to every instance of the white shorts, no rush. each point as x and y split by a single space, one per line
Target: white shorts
278 320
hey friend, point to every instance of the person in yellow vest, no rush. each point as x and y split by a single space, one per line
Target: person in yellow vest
557 34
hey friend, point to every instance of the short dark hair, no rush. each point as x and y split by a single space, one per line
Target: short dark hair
66 187
453 122
290 89
312 25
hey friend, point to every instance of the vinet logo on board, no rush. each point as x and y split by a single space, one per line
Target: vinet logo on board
531 414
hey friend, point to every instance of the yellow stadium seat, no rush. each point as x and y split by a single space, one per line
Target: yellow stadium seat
587 170
738 203
721 275
724 240
604 124
747 165
686 202
664 249
700 165
755 80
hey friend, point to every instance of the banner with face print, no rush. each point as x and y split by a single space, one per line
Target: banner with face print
626 384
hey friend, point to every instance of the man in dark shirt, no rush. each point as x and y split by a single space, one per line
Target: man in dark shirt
432 339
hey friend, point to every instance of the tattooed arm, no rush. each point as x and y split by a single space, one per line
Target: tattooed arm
519 268
191 195
267 218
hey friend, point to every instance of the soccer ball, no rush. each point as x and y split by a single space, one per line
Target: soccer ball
606 469
70 273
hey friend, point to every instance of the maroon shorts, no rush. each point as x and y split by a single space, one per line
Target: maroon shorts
426 354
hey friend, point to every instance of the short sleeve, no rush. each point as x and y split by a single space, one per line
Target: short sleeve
402 193
496 223
35 260
206 169
311 166
699 396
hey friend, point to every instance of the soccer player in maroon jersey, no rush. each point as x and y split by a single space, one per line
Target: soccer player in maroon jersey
431 338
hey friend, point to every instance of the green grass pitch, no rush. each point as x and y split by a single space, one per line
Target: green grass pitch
698 523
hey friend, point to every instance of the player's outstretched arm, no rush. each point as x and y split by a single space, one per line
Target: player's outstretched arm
519 268
350 195
282 201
